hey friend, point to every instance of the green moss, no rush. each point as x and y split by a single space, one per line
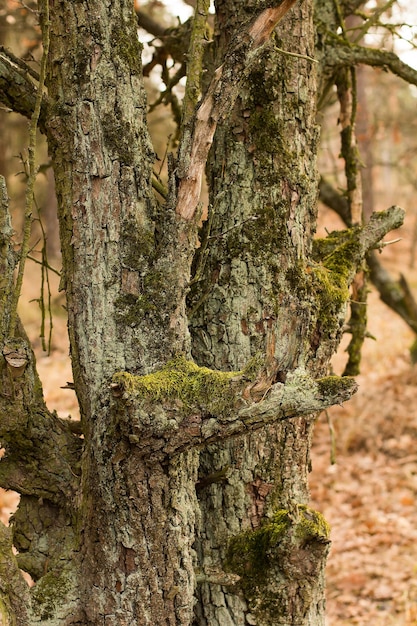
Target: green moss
251 553
248 552
312 526
49 593
332 290
127 48
331 386
332 274
185 381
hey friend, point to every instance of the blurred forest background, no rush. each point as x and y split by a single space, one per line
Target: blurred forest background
364 460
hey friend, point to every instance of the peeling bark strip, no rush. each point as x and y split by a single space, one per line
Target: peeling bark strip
219 101
263 26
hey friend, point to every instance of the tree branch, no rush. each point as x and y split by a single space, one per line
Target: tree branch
169 425
394 293
42 455
335 201
341 55
17 91
150 25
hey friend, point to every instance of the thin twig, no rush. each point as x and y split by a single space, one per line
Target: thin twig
159 187
49 267
32 174
294 54
332 438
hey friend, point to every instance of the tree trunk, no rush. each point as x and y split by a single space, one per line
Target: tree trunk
263 185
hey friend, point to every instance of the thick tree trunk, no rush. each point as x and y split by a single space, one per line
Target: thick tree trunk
136 515
263 184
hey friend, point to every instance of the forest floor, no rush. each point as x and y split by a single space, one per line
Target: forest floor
369 494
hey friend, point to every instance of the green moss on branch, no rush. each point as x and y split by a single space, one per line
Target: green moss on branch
184 381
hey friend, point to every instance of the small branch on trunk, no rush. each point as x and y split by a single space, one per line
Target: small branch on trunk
17 91
394 293
343 55
184 406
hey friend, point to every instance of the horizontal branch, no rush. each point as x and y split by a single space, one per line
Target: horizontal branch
342 252
394 293
342 55
184 406
379 225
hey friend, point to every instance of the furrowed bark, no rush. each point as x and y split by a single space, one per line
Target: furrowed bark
126 268
258 254
218 102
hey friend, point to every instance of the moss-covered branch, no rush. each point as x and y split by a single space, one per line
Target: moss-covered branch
184 406
343 251
394 293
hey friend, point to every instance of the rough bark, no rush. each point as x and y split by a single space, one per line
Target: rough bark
125 313
394 293
251 297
